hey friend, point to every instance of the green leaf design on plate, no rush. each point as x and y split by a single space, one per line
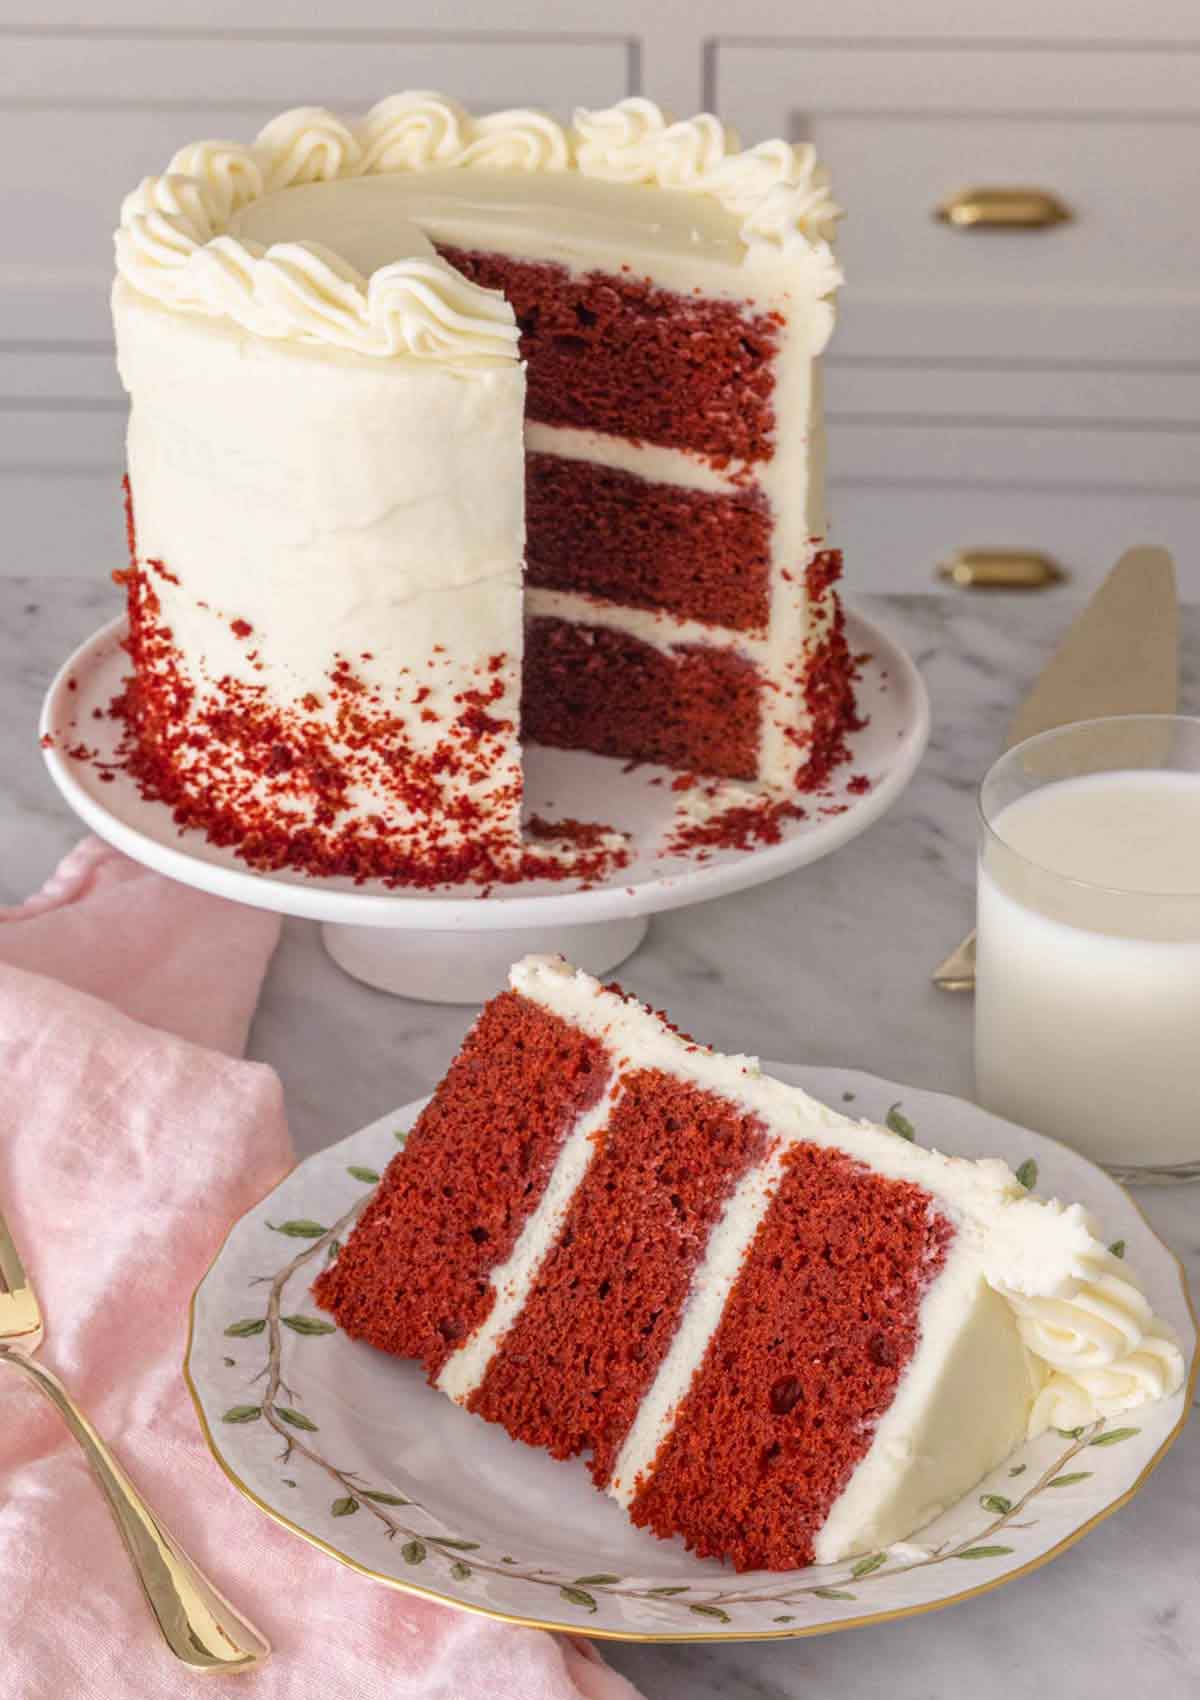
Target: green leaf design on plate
1069 1433
332 1249
248 1325
400 1134
711 1611
984 1552
367 1176
459 1570
345 1507
900 1123
578 1597
1113 1436
665 1593
1027 1174
1117 1248
288 1481
600 1580
783 1620
385 1498
1018 1469
995 1502
458 1546
829 1594
294 1419
229 1362
242 1414
1069 1481
299 1229
308 1325
865 1566
413 1552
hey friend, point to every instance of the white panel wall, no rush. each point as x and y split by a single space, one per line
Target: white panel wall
1037 390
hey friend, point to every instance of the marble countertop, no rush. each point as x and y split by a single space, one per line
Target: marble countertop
830 965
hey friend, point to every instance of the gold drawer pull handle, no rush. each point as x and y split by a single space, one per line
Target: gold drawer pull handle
1004 209
1001 569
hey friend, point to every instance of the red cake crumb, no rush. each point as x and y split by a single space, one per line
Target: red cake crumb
591 688
812 1343
858 785
606 533
829 683
239 628
585 834
609 353
602 1310
275 783
739 826
412 1279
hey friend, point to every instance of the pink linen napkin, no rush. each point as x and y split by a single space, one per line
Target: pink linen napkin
131 1135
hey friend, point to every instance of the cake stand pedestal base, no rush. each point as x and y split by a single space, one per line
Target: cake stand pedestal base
463 967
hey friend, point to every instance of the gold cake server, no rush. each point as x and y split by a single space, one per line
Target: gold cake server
199 1626
1120 657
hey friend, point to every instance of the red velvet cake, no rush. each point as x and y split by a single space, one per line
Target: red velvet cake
780 1334
451 432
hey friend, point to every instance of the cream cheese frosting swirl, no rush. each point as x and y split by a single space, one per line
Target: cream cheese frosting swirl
778 189
1102 1349
174 242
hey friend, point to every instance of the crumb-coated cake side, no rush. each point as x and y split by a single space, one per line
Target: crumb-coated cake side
779 1334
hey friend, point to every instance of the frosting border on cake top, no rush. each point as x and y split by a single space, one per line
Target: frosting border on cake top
174 243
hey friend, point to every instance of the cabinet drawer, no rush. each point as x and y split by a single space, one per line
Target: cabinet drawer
894 537
1115 134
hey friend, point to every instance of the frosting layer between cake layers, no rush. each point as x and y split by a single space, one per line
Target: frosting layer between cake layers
1028 1321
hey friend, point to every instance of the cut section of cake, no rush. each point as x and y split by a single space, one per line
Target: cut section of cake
325 336
781 1334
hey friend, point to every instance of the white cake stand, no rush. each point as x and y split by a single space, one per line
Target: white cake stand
455 945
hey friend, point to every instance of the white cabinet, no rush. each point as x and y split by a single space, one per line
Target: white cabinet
1031 389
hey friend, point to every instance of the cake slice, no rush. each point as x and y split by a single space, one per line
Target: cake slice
781 1334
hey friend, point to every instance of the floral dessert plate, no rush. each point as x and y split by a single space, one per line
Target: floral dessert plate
353 1451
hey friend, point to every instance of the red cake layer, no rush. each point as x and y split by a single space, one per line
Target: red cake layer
413 1277
626 539
590 688
814 1338
613 353
571 1372
830 672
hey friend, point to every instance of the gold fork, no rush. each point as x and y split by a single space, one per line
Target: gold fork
199 1626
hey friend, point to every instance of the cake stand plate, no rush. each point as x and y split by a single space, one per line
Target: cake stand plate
454 945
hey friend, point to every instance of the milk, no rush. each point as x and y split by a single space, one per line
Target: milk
1087 1017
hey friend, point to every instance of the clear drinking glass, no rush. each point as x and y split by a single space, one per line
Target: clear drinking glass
1087 993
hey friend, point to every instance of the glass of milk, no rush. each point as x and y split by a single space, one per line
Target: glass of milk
1087 992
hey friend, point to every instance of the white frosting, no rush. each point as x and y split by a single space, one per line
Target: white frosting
511 1280
332 501
1030 1317
175 242
712 1284
686 471
173 247
779 190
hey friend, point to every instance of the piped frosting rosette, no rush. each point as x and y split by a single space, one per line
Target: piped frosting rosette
1100 1346
174 244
